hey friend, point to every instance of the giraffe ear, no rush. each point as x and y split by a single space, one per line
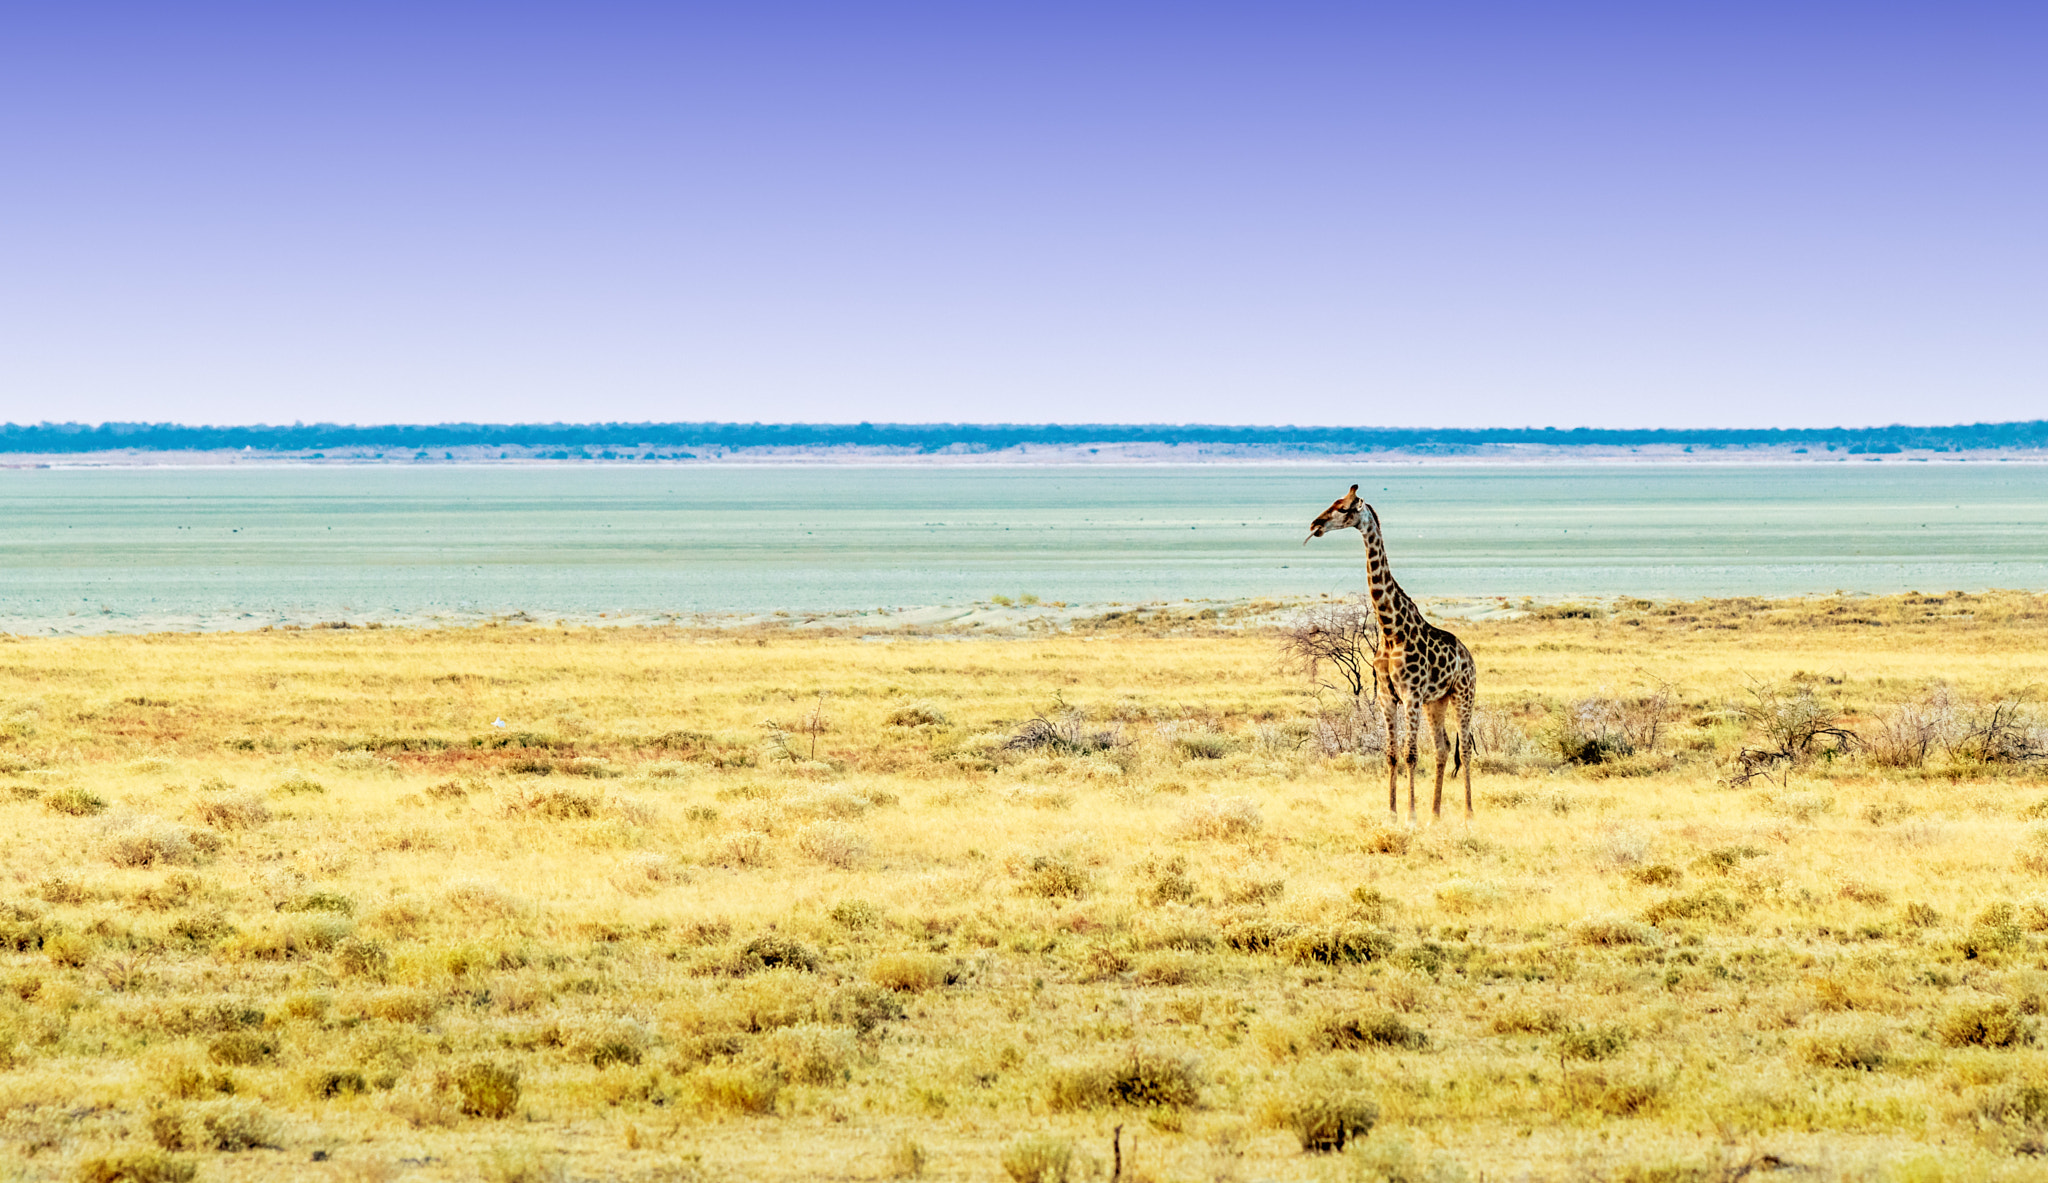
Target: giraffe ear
1349 499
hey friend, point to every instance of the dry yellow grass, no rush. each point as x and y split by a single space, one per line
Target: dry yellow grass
774 906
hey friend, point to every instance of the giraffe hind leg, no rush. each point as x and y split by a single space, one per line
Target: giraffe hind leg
1467 708
1390 721
1444 753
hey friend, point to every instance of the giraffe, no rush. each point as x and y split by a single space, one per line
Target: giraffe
1418 666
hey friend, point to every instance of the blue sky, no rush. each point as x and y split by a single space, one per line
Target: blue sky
1457 214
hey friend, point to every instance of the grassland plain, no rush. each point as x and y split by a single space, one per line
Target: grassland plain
755 905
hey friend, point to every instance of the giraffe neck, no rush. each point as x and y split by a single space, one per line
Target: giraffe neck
1398 616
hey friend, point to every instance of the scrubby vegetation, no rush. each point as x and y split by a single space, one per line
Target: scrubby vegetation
761 905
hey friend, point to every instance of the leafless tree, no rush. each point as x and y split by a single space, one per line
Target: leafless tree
1334 644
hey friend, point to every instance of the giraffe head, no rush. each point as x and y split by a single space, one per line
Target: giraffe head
1348 512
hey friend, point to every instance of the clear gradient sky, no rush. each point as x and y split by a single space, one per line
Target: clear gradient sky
1459 214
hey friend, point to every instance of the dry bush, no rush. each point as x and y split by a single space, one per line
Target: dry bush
832 843
1366 1031
1621 845
242 1049
242 811
1705 904
2004 732
136 1166
1205 745
912 973
1524 1021
1500 743
810 1053
299 783
489 1089
1353 728
143 840
1383 839
1069 736
742 848
1858 1049
917 714
736 1089
1907 734
775 951
1989 1024
1594 1043
1341 945
363 761
481 898
907 1159
359 957
1219 818
235 1126
1038 1158
1613 931
1140 1077
76 801
558 804
1323 1111
1050 876
1792 727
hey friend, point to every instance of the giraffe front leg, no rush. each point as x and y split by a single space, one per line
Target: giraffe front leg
1389 720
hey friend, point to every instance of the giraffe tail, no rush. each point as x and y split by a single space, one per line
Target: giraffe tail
1458 753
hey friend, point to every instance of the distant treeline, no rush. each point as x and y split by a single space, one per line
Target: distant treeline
933 437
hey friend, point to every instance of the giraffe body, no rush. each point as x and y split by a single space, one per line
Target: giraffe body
1421 669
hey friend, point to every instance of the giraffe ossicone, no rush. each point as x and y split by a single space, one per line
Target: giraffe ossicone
1418 668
